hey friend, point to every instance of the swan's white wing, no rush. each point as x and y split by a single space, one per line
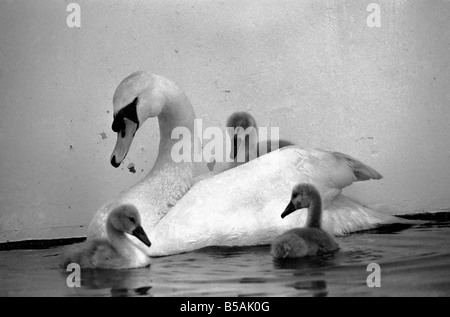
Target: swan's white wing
242 206
332 169
330 172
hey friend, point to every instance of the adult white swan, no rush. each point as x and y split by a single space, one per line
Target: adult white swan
237 207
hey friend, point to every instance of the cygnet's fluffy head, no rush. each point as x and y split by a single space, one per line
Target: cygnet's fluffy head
303 195
126 218
241 119
241 126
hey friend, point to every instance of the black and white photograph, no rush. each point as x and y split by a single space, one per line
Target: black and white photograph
224 152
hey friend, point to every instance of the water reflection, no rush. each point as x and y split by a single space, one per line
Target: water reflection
317 288
307 263
119 283
252 280
307 273
388 229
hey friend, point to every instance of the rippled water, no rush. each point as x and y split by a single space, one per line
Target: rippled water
414 261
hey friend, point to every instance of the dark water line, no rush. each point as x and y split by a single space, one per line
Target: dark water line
39 244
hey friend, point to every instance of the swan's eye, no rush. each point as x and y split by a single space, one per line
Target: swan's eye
118 124
132 220
128 112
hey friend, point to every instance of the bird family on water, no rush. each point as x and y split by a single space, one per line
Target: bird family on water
173 209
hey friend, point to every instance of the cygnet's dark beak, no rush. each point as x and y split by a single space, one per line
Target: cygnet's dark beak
141 235
236 145
289 209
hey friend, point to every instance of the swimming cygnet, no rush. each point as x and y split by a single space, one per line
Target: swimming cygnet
117 251
310 240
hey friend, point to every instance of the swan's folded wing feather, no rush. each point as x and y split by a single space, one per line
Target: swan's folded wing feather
332 169
361 171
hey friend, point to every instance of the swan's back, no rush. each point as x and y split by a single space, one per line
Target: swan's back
266 146
241 206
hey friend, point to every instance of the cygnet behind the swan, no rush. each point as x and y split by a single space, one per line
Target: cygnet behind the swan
244 128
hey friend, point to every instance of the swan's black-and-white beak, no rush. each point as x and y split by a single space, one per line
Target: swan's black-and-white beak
126 123
142 236
124 139
289 209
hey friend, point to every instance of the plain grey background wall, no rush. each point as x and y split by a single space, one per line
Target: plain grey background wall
313 68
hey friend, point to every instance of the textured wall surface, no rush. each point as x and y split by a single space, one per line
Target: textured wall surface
313 68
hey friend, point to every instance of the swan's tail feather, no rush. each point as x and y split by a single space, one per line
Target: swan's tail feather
361 171
345 216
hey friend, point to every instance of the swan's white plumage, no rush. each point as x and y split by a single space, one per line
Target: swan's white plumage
242 205
153 196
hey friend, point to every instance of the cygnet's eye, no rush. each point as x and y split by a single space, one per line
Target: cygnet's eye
132 220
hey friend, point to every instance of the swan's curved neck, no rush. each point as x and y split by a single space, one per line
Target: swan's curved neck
315 212
176 112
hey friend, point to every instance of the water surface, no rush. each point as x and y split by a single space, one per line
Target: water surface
414 261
